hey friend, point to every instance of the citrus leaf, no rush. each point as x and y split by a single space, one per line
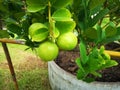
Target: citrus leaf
78 62
110 31
95 60
109 63
2 7
91 33
81 73
96 18
11 21
113 38
94 3
14 28
62 15
65 26
61 3
4 34
100 33
112 24
96 74
95 10
88 79
36 5
102 48
83 52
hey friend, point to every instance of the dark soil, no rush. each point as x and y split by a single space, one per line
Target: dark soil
66 60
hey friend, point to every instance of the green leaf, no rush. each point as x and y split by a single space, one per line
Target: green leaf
101 34
80 74
102 48
96 74
36 5
14 28
10 21
2 7
109 63
94 64
106 56
78 62
91 33
19 15
25 25
110 31
88 79
112 24
96 61
65 26
62 15
4 34
96 18
83 52
61 3
94 3
95 10
113 38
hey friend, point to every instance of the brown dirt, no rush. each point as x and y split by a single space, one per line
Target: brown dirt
66 60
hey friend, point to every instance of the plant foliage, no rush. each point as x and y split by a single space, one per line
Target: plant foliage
96 22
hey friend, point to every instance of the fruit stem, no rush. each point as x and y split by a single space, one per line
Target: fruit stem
49 11
51 23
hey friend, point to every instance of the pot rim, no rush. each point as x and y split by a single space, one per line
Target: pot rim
62 71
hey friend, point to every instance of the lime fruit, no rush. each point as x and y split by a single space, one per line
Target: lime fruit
47 51
38 32
67 41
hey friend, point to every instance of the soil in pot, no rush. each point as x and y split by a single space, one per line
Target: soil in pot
66 60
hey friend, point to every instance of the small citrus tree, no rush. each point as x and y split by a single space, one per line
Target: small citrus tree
53 25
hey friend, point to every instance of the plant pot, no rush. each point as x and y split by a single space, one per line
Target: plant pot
62 80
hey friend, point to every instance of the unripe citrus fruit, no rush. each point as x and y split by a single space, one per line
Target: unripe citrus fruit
47 51
38 32
67 41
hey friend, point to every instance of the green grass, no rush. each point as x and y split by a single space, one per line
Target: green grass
31 72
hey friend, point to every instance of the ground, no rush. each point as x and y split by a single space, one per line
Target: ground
31 72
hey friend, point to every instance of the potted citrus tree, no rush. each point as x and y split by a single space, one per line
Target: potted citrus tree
95 27
49 26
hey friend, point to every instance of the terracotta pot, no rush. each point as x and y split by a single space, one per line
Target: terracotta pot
62 80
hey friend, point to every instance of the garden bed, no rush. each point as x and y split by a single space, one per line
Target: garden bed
66 60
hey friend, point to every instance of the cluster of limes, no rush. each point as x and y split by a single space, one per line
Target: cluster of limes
49 50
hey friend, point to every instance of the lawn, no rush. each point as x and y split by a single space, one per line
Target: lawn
31 72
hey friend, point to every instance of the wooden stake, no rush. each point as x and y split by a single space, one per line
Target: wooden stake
13 41
9 60
10 65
